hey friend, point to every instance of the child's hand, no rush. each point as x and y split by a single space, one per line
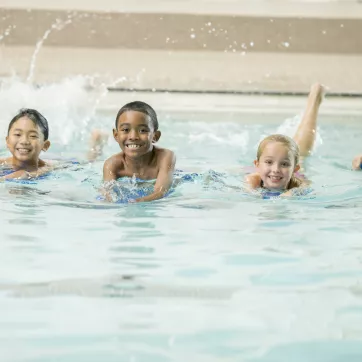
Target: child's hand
356 163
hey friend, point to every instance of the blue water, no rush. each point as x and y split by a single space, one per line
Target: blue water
207 274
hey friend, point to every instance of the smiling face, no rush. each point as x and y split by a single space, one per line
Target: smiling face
135 134
276 166
25 141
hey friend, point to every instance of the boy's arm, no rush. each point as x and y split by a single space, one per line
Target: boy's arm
109 172
357 162
164 178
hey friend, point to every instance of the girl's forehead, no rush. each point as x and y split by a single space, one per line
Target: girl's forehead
26 124
277 148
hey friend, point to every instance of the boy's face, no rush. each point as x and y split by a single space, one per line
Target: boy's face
25 141
276 166
135 134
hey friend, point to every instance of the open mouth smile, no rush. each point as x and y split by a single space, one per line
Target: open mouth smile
133 146
275 178
23 151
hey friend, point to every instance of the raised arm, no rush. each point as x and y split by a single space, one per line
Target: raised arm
164 177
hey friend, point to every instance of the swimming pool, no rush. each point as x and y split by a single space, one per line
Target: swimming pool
207 274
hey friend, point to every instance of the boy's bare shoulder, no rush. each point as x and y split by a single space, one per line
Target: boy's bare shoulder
115 161
164 152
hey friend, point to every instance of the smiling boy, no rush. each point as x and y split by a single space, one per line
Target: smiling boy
136 132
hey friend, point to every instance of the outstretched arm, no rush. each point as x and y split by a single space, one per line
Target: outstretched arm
109 174
164 178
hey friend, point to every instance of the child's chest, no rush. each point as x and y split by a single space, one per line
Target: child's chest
149 173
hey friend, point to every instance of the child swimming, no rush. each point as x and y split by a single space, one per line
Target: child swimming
279 157
27 136
136 131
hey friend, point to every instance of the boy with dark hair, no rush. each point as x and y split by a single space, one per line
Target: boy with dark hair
136 131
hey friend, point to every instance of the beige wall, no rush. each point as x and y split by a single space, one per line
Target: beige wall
185 51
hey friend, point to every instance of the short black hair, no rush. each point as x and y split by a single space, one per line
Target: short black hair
36 117
142 107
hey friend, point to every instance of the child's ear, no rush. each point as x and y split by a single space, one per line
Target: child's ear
256 163
46 146
7 139
296 168
115 134
156 136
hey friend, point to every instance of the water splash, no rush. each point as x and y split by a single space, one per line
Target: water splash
7 32
58 25
68 105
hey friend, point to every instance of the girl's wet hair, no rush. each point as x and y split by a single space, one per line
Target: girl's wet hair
285 140
34 116
142 107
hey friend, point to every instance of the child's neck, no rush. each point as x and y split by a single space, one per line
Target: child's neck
30 166
137 165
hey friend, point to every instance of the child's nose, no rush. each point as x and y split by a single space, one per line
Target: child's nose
24 140
275 167
133 135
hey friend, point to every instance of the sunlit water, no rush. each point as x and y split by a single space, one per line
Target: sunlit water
206 274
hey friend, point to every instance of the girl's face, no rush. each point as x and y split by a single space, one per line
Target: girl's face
276 166
25 141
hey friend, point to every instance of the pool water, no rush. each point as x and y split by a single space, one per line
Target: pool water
207 274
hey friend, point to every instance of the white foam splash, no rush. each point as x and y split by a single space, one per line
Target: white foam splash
67 105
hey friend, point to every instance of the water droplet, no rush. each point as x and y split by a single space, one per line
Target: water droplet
324 32
286 44
192 36
342 26
251 43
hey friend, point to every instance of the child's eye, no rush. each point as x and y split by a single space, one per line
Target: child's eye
124 130
33 136
268 162
17 134
143 130
285 164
